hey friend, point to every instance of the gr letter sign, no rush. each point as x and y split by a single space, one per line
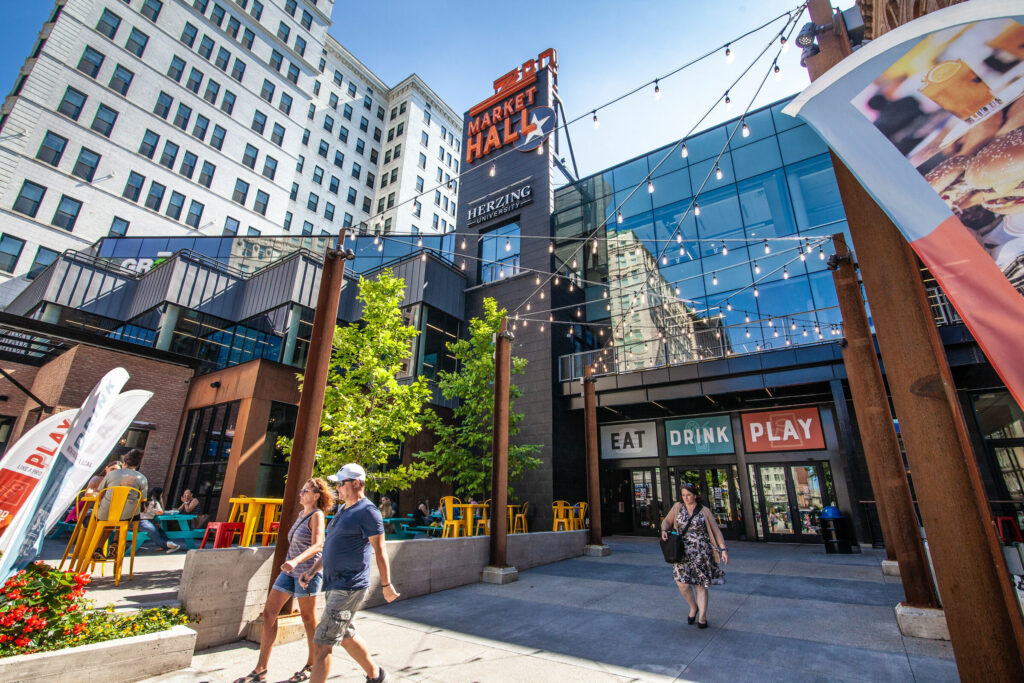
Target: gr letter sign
635 440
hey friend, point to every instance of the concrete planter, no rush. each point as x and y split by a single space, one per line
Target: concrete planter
114 661
228 587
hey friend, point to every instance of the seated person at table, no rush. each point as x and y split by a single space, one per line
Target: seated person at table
127 476
94 483
386 508
149 513
189 503
421 517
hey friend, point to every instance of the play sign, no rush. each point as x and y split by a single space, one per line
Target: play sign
794 429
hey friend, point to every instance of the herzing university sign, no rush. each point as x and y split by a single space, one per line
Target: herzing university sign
500 205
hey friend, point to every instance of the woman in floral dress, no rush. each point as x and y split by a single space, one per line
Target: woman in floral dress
699 569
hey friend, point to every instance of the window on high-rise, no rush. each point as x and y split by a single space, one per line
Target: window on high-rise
241 192
223 58
175 205
10 252
151 9
199 130
85 166
121 80
90 62
206 174
66 214
227 104
249 157
262 200
29 198
277 137
149 143
163 105
108 24
270 167
52 148
188 34
133 187
71 104
499 253
118 227
136 42
176 69
188 165
155 199
195 214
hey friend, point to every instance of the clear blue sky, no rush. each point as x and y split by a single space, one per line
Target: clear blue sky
605 48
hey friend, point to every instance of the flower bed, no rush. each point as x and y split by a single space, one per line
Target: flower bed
44 609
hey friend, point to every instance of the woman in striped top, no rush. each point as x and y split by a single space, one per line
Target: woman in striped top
305 541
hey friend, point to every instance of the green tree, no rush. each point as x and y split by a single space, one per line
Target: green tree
462 454
368 412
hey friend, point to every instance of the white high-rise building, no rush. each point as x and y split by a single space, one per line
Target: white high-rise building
210 117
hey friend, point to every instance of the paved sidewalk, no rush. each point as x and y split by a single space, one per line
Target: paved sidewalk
787 612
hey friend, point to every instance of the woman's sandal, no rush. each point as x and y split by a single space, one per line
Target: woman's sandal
253 677
302 674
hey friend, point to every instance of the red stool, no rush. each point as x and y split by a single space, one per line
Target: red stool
1008 524
223 533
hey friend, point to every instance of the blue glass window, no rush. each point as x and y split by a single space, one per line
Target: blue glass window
499 253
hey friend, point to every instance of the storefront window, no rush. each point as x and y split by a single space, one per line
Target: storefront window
439 330
273 462
999 416
205 449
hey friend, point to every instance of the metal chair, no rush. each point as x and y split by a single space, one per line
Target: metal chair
118 507
579 516
484 520
519 526
452 526
561 510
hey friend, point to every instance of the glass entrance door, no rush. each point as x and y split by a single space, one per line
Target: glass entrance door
647 507
788 500
719 489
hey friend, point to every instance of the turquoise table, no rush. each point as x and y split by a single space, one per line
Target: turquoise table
176 528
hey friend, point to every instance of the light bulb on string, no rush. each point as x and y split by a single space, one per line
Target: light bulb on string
542 327
817 329
462 266
783 43
463 245
551 247
527 305
492 171
618 218
821 254
792 325
650 187
536 280
579 313
803 257
718 173
501 272
728 306
746 318
540 152
679 237
423 256
542 295
747 330
572 287
808 246
664 260
771 323
677 291
805 332
682 250
785 273
508 244
597 124
684 152
728 101
696 209
725 249
593 247
714 278
419 242
380 247
574 263
756 292
555 280
745 130
757 268
729 56
376 240
636 252
604 294
778 72
775 333
767 249
657 90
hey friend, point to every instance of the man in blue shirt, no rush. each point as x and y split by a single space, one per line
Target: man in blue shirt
346 563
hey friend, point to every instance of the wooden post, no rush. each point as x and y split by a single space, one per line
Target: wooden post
878 436
314 385
499 463
593 473
981 608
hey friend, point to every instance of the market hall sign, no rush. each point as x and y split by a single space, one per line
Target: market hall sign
505 202
636 440
795 429
705 435
512 112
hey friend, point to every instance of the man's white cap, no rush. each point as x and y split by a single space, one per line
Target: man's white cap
349 471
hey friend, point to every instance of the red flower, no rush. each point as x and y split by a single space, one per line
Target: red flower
22 642
78 628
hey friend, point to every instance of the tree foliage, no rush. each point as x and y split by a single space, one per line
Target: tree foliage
368 412
462 454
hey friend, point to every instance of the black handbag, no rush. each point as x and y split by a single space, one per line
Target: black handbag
674 549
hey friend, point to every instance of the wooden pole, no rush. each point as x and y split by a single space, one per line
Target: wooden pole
593 474
981 609
499 463
878 436
314 385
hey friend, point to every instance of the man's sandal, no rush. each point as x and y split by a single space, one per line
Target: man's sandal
302 674
253 677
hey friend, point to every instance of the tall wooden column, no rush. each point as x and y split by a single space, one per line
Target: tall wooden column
499 464
878 436
593 473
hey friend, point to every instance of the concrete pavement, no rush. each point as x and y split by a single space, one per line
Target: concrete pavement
786 612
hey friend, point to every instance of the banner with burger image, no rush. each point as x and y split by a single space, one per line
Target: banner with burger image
930 119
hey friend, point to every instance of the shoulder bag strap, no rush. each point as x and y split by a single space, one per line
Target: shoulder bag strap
696 511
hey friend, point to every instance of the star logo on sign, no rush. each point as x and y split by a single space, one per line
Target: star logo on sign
542 123
538 127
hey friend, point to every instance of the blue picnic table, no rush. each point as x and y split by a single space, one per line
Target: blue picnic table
176 528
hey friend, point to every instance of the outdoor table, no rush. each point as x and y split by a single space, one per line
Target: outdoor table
467 514
175 527
250 510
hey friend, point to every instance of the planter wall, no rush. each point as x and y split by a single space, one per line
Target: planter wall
125 659
228 586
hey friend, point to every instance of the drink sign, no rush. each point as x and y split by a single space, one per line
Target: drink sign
704 435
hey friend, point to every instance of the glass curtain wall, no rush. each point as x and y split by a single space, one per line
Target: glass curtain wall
203 459
675 285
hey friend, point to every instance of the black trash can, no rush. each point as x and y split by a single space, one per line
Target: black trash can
833 531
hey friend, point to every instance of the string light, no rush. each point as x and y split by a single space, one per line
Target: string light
757 268
755 291
380 247
419 242
604 293
650 187
803 257
597 124
746 318
462 266
376 240
593 247
728 101
725 249
618 218
574 263
778 71
664 260
728 306
492 171
657 90
501 272
745 130
682 251
572 287
821 254
696 209
508 244
785 45
714 278
423 256
551 247
679 237
463 245
785 273
767 249
718 173
771 323
808 246
555 281
684 152
729 56
536 280
747 330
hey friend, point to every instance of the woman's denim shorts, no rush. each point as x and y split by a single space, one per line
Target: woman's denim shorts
290 585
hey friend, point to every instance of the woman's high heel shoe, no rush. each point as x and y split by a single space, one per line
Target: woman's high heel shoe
691 620
702 624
